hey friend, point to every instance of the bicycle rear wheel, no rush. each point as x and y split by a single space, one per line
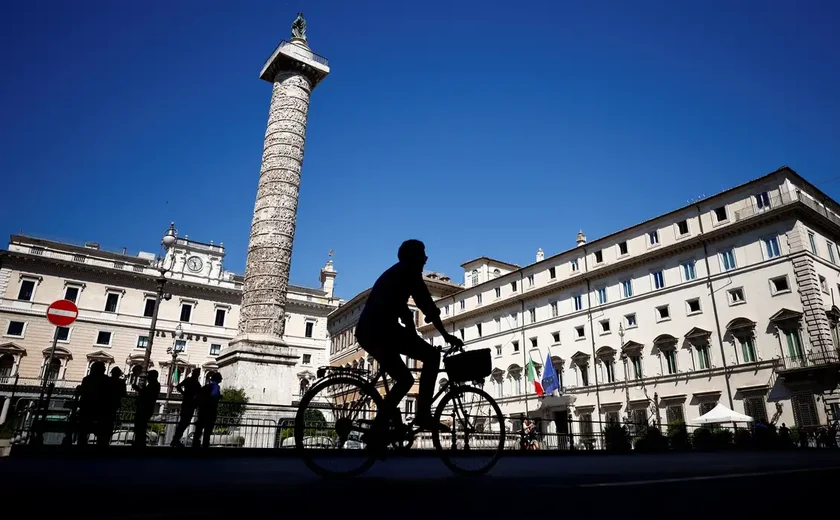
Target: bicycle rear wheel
471 447
329 424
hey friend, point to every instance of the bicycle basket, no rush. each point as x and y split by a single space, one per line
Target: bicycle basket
464 367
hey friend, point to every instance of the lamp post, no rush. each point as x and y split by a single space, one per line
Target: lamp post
166 242
173 351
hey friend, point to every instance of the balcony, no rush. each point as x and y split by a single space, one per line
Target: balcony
817 370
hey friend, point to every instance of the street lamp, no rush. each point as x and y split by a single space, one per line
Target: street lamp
173 351
166 242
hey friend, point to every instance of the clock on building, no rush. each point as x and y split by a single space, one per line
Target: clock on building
194 264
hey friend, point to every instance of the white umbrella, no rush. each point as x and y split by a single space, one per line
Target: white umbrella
721 414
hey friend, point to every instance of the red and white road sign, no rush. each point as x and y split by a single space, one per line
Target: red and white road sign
62 313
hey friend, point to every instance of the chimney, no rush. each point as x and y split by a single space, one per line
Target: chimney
581 238
124 250
92 245
540 255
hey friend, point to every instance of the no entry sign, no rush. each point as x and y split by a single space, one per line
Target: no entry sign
62 313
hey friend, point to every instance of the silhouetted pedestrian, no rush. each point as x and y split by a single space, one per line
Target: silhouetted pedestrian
93 401
208 407
145 407
189 389
115 394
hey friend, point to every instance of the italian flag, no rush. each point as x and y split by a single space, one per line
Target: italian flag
532 376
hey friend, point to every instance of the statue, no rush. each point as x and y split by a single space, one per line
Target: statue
299 27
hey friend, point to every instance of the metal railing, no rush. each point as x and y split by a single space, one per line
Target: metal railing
304 53
810 359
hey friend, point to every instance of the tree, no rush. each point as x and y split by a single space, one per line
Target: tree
231 408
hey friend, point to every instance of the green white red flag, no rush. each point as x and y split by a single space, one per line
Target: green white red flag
531 374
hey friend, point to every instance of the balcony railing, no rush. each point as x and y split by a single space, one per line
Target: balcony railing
810 359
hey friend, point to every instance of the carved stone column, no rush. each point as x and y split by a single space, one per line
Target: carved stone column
258 359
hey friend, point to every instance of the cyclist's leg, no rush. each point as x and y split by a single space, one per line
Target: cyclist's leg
415 347
392 364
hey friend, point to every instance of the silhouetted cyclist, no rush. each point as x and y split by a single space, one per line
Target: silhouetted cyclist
380 334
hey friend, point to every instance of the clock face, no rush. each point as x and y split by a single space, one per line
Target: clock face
194 264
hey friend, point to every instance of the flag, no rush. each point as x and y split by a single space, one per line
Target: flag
550 381
532 376
175 376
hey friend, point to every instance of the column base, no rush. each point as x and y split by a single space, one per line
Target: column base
261 365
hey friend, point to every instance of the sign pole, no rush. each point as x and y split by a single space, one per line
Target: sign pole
60 313
46 375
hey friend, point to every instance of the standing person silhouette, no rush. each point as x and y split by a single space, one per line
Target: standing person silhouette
189 389
380 334
145 407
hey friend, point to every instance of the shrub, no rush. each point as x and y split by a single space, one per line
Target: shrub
743 439
616 438
721 438
766 437
651 441
678 436
702 439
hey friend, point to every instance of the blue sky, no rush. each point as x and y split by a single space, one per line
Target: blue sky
482 128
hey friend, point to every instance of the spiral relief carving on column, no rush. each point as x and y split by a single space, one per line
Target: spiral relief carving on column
273 226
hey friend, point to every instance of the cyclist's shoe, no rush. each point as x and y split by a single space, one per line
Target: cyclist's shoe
429 424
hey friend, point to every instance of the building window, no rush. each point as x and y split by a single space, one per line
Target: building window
622 248
747 349
653 237
578 302
513 286
605 326
556 337
830 248
461 331
707 406
794 344
627 288
727 257
498 350
534 343
552 273
186 311
823 284
688 271
103 338
771 247
553 306
584 375
637 366
574 265
515 345
112 301
658 280
478 329
475 277
142 342
215 349
27 290
779 285
307 359
663 313
720 214
530 280
180 345
599 257
580 332
813 242
498 324
71 292
15 329
602 295
496 273
670 361
736 296
762 200
478 299
310 326
609 370
674 413
630 319
498 292
703 357
532 314
220 317
446 310
63 334
514 318
756 408
149 309
461 305
682 227
693 306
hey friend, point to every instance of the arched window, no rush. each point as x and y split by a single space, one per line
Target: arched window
134 374
7 365
496 273
515 378
475 277
54 369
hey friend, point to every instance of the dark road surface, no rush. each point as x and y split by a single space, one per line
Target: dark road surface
692 485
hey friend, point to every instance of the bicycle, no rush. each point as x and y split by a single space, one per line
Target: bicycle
316 434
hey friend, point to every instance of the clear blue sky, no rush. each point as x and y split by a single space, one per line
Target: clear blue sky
502 127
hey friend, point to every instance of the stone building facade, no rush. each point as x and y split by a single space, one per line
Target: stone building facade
115 293
727 300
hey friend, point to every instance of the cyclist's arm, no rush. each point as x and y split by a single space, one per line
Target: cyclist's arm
424 301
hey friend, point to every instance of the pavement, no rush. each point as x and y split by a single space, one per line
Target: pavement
686 485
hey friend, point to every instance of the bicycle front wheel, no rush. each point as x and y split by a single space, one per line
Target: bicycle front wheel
477 436
329 424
